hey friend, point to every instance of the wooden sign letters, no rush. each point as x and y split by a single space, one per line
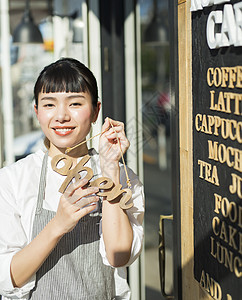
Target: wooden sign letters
106 186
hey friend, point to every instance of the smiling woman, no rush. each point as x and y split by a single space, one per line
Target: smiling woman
66 98
78 243
69 115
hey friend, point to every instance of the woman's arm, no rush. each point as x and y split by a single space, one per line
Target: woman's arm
116 227
27 261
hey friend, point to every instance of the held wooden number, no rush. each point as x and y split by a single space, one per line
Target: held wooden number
106 186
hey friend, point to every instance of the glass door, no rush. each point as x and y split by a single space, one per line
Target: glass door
156 113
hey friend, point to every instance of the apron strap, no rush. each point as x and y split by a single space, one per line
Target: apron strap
42 185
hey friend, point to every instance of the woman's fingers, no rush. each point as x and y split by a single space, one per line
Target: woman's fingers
106 124
115 123
117 130
115 135
85 210
77 201
86 201
74 186
113 143
79 190
81 193
109 124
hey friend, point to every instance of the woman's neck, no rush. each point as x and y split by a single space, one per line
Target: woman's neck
75 153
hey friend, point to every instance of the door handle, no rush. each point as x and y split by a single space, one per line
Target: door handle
106 59
162 255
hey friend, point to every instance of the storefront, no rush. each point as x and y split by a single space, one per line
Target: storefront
171 70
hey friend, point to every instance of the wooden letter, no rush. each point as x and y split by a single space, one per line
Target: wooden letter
71 173
67 164
106 186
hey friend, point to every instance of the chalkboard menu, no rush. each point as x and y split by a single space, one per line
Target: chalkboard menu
217 153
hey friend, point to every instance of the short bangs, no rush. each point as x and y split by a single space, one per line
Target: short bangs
66 75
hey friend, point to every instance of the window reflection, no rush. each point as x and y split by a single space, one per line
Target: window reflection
62 29
156 138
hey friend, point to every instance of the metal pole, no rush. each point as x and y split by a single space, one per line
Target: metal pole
7 97
1 141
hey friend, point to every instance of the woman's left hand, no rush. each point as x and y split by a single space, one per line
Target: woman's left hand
111 143
116 228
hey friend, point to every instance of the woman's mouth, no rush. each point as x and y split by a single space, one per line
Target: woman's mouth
63 131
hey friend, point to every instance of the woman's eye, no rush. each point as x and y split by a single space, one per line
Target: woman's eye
76 104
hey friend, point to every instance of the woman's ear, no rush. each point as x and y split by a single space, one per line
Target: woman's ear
96 112
36 110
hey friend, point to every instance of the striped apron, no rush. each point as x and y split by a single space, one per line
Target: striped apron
74 269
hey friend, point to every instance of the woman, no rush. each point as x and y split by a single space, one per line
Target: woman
71 245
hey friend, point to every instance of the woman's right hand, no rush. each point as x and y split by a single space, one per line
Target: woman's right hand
76 202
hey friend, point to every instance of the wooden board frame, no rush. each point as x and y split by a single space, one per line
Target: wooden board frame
190 287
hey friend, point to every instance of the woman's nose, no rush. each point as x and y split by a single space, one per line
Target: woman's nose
62 114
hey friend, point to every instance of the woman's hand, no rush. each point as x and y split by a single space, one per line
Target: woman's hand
116 228
73 205
112 144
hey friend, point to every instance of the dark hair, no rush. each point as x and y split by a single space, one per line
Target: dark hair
66 75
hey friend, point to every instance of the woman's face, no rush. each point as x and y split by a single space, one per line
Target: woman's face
65 118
